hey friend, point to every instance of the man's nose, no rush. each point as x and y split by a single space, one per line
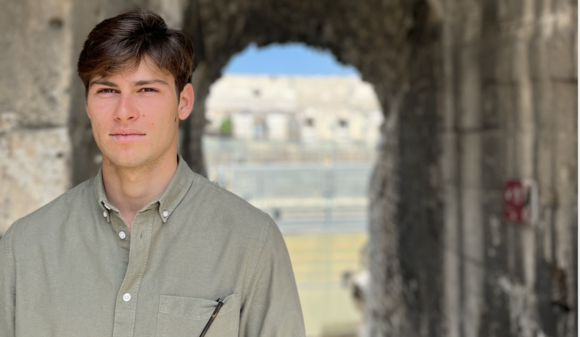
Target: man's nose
126 109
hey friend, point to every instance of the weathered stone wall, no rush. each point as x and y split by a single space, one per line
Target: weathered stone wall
35 74
473 92
509 110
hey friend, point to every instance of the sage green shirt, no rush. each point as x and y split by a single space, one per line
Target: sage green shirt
72 268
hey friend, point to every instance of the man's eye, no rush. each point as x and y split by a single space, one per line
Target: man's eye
148 90
106 91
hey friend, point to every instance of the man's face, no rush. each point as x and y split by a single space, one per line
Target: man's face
135 115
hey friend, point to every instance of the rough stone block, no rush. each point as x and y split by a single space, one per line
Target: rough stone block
469 89
545 168
470 159
562 60
566 171
495 240
493 160
543 103
33 171
511 60
473 250
448 160
503 59
539 61
488 60
465 22
490 108
37 67
506 105
509 11
565 107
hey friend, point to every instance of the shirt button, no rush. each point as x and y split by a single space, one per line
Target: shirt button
122 235
165 214
105 214
127 297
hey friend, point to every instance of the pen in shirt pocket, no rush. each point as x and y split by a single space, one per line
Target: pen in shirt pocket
211 319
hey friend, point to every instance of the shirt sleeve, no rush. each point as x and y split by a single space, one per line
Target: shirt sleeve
7 288
271 307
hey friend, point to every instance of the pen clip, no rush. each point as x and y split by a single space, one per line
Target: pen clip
213 316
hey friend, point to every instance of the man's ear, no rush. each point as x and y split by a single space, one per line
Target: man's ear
186 99
87 110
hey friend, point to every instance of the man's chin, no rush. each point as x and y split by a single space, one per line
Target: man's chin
126 161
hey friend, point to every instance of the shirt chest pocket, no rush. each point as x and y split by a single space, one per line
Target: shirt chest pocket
187 316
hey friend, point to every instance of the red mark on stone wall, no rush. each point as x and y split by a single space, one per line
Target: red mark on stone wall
519 201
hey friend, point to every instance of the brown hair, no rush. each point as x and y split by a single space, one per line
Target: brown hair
122 42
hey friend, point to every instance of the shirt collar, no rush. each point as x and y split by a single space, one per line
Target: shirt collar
167 201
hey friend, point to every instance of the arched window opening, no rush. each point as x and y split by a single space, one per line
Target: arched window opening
294 133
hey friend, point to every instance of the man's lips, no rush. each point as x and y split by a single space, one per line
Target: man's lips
126 135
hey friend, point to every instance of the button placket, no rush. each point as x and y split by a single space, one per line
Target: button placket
126 308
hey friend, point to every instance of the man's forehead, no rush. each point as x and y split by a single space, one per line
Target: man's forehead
145 71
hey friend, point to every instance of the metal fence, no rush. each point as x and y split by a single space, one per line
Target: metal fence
302 197
225 151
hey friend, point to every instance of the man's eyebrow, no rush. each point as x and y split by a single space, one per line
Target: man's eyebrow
102 82
146 82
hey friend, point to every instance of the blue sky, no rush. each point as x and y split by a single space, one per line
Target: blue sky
286 59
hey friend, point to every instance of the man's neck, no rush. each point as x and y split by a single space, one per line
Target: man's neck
131 189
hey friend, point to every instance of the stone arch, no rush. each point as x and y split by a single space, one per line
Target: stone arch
381 40
355 34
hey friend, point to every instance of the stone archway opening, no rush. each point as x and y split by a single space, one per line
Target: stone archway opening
299 142
381 39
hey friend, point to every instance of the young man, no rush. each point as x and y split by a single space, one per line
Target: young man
147 247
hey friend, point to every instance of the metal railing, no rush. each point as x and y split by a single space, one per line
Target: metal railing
302 197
